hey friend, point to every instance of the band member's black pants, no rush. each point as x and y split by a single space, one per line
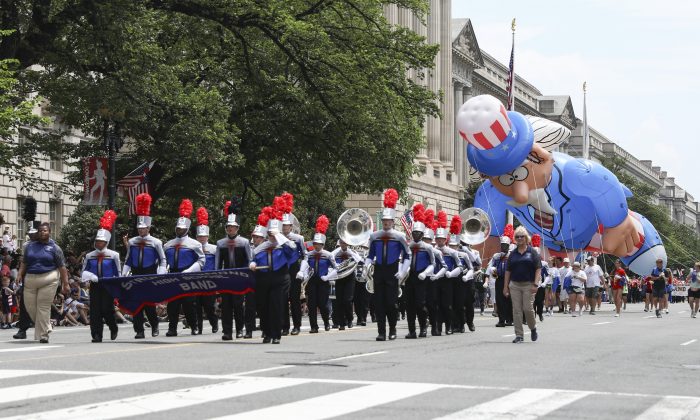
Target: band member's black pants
386 295
459 299
249 311
344 294
317 299
187 304
231 310
24 320
539 301
205 305
101 309
270 297
360 299
150 311
444 299
414 292
292 298
505 305
431 302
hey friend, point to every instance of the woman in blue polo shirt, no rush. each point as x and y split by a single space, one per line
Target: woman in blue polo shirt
521 282
43 265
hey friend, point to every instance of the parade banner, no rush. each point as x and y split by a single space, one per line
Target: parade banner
95 181
680 291
135 292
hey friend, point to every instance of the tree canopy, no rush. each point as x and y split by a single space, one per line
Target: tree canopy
309 96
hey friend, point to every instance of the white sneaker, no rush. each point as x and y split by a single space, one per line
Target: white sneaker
573 314
617 315
580 312
667 311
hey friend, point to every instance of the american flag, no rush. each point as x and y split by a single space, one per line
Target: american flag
135 183
407 221
511 74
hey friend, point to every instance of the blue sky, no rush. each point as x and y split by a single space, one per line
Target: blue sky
640 59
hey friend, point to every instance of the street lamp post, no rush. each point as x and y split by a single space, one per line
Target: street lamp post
112 142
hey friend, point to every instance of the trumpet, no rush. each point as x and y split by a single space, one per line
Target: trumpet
475 226
304 283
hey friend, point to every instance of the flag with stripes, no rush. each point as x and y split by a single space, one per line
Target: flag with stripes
511 78
135 183
407 221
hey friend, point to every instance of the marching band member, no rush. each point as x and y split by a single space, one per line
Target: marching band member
345 288
145 255
234 251
184 255
251 306
438 272
463 288
422 265
500 262
388 251
324 269
273 257
474 259
293 295
102 263
445 284
205 303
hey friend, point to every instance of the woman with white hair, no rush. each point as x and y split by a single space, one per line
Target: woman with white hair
521 282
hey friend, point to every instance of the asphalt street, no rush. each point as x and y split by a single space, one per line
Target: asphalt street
635 366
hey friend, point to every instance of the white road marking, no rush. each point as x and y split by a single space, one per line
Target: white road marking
513 335
339 403
689 342
671 408
8 374
270 369
32 348
161 401
602 323
682 312
70 386
523 404
352 356
650 316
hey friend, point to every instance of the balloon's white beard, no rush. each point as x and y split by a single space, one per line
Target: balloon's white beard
538 199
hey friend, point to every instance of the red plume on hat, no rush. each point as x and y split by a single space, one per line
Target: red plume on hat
390 198
419 213
442 219
107 220
186 208
202 216
143 204
456 225
227 206
264 216
536 240
429 219
278 205
288 202
322 224
508 231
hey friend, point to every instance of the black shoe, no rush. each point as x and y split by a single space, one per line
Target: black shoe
509 324
113 335
381 337
239 334
97 340
139 335
155 332
350 325
423 333
335 327
313 331
501 325
227 337
462 331
266 340
327 327
248 335
170 333
433 332
44 340
517 340
341 328
392 333
195 331
541 318
472 328
215 329
448 332
275 341
411 334
533 334
295 331
362 324
438 333
285 332
21 335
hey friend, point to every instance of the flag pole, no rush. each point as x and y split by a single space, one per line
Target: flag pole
511 90
586 143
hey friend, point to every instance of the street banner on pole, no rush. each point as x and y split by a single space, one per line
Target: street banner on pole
95 181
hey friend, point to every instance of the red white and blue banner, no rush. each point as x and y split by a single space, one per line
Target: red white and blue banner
135 292
95 181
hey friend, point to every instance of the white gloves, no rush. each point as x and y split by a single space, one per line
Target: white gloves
252 265
161 270
398 275
324 278
89 276
368 262
301 276
440 274
126 271
421 276
194 268
468 276
281 239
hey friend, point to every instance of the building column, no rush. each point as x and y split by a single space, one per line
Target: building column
447 155
459 144
433 132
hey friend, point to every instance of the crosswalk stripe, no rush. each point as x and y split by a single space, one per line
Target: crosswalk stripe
70 386
671 408
522 404
151 403
32 348
339 403
8 374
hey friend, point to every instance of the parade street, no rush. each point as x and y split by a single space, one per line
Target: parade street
635 366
